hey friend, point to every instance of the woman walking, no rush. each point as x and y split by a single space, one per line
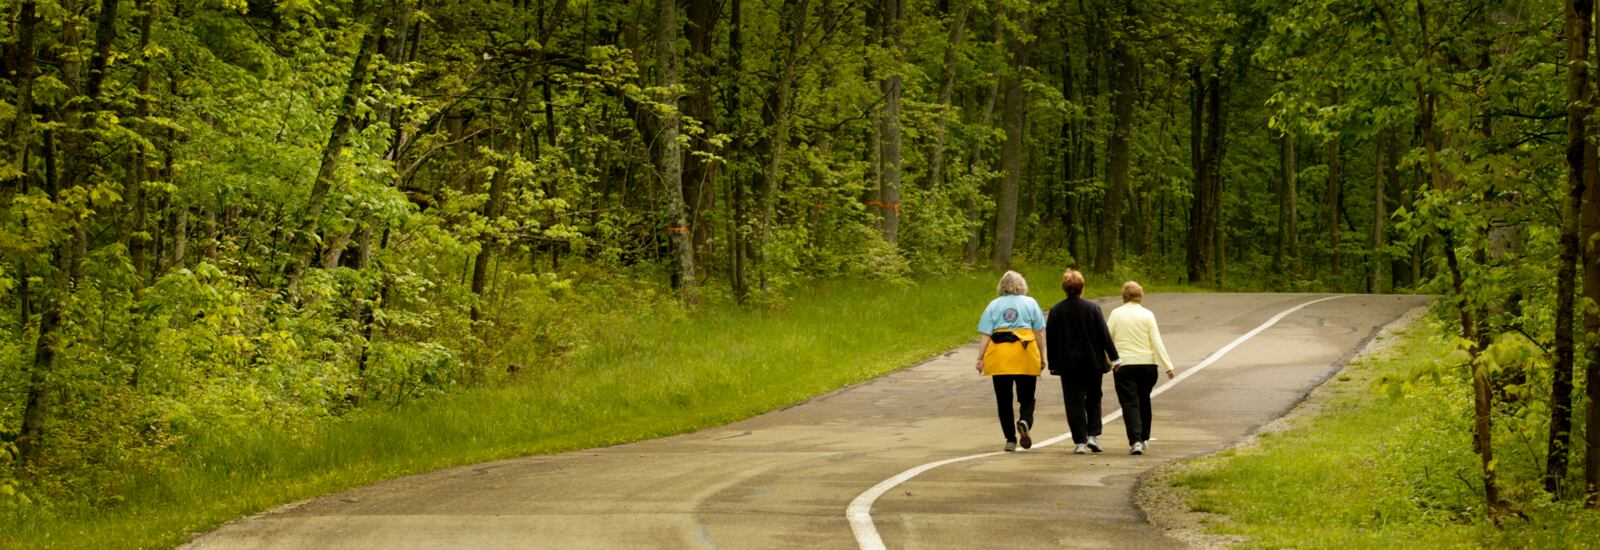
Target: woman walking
1134 330
1080 353
1013 347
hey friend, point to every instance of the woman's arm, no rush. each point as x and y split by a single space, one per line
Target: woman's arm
1044 355
1159 347
981 350
1104 333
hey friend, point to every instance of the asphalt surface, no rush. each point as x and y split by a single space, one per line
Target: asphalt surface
784 479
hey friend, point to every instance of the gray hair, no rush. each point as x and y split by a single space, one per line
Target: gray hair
1012 283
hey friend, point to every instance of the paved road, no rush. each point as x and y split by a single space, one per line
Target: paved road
784 479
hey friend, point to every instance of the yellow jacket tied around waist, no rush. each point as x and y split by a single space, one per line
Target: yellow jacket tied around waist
1020 357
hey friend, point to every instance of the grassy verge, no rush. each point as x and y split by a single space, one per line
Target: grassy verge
1368 469
648 377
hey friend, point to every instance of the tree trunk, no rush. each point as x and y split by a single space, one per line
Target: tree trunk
1123 72
739 242
1013 119
1579 106
780 132
140 241
1384 172
105 34
1482 406
974 239
494 207
1205 211
66 255
1590 231
890 195
1334 196
946 89
670 161
19 135
304 249
699 173
1291 200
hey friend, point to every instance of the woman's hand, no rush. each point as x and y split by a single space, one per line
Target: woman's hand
1170 374
980 366
1044 365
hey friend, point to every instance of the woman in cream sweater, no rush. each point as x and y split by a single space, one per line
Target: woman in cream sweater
1138 340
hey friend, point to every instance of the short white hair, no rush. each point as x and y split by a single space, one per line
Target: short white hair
1012 283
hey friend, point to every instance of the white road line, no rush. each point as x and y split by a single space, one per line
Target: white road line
860 510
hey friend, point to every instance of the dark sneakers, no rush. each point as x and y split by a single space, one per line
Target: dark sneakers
1022 433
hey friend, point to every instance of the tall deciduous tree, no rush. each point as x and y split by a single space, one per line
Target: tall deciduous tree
1124 78
669 156
1013 120
1580 106
893 23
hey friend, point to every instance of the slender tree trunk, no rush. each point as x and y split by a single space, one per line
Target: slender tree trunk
946 89
1590 231
1013 119
137 161
19 135
105 34
1199 261
739 242
890 195
1379 212
1123 73
670 163
1205 211
1482 406
699 173
1217 147
1291 200
970 252
67 256
494 207
306 237
780 133
1334 195
1579 107
22 75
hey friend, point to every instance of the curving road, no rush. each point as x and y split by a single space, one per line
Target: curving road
784 479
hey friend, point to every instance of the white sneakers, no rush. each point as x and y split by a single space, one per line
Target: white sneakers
1138 449
1093 444
1079 449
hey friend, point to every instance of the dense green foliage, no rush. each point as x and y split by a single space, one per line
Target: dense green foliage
222 217
1369 469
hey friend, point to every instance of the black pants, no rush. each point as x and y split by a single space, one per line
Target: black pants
1134 383
1002 398
1080 388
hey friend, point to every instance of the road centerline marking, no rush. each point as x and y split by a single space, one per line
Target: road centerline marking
860 510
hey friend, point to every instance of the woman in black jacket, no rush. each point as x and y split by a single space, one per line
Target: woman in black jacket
1080 351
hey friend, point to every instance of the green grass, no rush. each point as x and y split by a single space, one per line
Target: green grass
1370 470
653 376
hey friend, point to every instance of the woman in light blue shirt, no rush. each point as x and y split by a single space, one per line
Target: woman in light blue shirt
1013 354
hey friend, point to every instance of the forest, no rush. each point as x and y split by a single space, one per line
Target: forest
224 215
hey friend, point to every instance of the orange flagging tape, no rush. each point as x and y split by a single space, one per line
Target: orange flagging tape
678 229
